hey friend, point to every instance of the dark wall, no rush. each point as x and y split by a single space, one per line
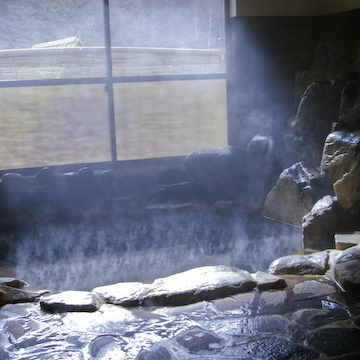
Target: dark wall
264 56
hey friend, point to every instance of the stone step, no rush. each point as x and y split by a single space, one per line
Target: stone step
344 241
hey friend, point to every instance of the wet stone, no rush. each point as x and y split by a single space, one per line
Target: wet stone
9 294
3 354
12 282
312 288
271 348
257 325
270 299
299 265
336 341
161 353
268 282
125 294
71 301
310 319
347 270
19 327
203 283
200 341
54 352
100 343
240 304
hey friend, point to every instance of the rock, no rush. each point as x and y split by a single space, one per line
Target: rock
272 348
160 353
262 166
350 106
311 319
342 163
202 283
45 177
107 184
271 299
13 190
347 191
340 152
321 223
268 282
125 293
338 47
345 241
12 295
317 111
226 207
295 193
71 301
201 342
333 255
170 208
219 174
304 78
312 288
13 282
334 341
4 354
88 189
176 193
98 345
346 270
300 265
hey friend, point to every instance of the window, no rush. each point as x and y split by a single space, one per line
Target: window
153 86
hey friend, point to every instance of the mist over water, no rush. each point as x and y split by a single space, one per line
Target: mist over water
93 252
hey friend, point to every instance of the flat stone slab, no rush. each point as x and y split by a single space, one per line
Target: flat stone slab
311 319
202 283
271 299
71 301
344 241
312 288
315 264
124 293
268 282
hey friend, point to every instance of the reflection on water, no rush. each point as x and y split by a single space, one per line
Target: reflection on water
237 327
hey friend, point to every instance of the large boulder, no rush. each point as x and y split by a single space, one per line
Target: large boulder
304 78
339 154
341 161
350 106
317 111
321 223
262 166
295 193
218 174
346 270
347 190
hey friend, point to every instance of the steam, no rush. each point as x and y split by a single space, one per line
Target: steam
97 251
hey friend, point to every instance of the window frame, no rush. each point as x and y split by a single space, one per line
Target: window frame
109 80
